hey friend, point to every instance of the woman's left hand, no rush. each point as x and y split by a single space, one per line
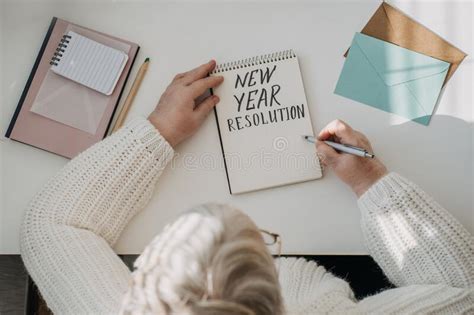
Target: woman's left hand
177 115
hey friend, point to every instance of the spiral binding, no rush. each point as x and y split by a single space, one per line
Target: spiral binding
257 60
60 50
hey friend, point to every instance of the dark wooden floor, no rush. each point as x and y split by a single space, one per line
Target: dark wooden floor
18 295
13 282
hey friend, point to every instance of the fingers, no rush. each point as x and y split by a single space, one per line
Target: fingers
327 155
339 131
206 106
197 73
202 85
336 128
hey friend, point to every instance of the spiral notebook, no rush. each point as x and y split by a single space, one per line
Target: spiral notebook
88 62
73 89
261 117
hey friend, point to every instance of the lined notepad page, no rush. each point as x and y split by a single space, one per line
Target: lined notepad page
90 63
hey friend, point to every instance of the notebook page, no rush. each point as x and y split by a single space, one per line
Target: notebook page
262 115
90 63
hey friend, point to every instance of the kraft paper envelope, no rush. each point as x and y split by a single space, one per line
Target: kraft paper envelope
392 78
392 25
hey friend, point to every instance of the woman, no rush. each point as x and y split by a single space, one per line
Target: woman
213 260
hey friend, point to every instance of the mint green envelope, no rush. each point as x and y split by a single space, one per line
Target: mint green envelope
392 78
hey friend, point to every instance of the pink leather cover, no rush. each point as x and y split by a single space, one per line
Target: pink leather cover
48 134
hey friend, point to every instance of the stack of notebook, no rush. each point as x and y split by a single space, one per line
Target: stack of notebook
73 89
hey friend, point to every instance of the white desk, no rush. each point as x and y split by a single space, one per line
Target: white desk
314 217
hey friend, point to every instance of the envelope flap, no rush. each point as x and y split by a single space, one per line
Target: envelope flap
414 36
392 25
395 64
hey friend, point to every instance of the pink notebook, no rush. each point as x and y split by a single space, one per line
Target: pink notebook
58 114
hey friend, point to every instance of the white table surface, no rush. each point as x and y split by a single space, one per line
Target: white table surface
318 217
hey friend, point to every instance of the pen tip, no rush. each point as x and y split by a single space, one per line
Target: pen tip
147 59
304 137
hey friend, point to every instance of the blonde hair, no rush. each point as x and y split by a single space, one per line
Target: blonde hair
211 260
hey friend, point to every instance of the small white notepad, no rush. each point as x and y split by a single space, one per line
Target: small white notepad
88 62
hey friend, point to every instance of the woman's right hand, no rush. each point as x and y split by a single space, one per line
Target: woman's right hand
357 172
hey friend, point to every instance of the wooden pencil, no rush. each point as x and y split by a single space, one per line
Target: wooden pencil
131 95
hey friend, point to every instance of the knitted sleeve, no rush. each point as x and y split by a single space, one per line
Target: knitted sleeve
412 238
70 226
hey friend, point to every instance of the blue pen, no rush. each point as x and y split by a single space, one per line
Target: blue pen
346 148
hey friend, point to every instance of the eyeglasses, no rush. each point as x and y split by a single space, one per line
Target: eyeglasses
271 239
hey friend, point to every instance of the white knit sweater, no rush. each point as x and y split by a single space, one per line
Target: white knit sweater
71 225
